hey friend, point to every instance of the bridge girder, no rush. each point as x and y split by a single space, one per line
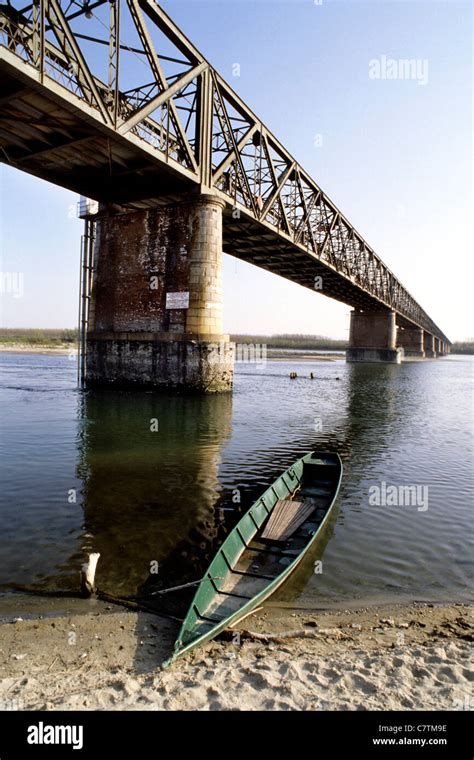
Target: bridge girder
181 129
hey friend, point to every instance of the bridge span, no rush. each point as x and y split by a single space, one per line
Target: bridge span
110 99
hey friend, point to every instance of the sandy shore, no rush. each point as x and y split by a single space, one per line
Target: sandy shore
415 657
20 348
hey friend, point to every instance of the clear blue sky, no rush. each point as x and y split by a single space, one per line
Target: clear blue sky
395 157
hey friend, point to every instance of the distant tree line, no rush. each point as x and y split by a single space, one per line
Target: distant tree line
57 337
308 342
31 337
320 343
463 347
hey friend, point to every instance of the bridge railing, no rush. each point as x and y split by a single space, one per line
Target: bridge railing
24 36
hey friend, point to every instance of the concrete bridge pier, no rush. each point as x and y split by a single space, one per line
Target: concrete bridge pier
155 316
411 340
372 337
429 343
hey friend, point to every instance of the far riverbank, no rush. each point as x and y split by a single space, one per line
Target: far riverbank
272 355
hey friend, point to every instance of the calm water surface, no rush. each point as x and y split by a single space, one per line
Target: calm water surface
82 472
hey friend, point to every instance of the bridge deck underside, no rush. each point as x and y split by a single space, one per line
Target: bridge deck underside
247 241
42 136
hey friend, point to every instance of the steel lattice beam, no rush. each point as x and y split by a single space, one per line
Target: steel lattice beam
193 123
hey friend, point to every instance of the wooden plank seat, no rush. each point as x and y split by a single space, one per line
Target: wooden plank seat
286 518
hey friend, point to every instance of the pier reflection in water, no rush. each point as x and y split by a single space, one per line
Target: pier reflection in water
153 504
368 400
169 497
149 465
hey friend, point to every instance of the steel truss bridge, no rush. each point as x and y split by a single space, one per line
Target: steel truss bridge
110 99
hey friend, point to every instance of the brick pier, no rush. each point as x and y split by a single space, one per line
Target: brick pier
155 316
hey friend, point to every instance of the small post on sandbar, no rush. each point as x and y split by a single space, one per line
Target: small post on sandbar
88 571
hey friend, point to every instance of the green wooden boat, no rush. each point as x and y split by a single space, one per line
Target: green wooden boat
263 549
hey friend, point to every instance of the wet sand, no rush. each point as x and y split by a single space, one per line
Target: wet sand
102 657
20 348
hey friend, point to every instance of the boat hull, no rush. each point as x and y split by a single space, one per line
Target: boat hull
229 574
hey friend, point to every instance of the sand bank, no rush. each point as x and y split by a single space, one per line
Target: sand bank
272 355
415 657
20 348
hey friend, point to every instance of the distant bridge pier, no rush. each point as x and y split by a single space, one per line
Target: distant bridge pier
429 343
443 347
155 314
372 337
411 340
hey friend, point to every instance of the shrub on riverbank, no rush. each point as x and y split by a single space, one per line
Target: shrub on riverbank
307 342
46 337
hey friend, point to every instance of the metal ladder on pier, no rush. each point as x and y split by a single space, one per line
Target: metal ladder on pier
85 288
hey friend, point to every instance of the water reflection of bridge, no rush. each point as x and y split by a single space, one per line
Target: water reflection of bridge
156 497
148 493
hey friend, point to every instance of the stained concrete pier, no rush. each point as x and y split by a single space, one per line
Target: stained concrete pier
155 316
411 340
429 345
372 337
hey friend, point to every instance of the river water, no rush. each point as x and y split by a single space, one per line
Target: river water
154 482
